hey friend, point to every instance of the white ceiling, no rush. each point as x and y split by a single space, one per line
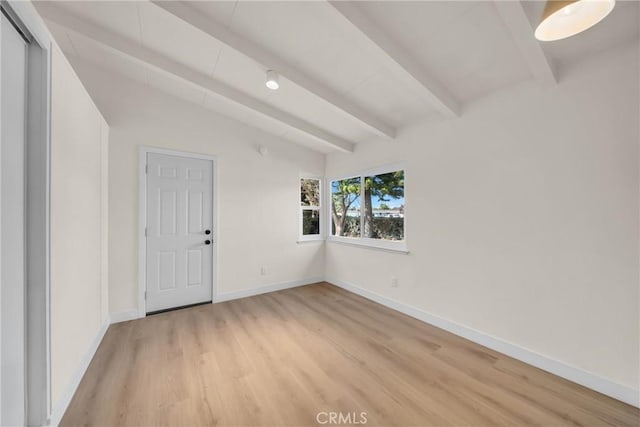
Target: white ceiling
465 48
452 40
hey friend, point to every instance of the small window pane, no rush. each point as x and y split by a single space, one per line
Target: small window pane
345 207
310 222
309 192
383 206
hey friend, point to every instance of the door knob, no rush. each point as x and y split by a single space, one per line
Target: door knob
207 232
207 242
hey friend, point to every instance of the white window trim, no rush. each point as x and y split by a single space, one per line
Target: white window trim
386 245
377 244
311 237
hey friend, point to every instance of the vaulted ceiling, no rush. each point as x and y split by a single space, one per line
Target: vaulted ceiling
350 71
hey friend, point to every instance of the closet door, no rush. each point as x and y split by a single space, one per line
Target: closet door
12 220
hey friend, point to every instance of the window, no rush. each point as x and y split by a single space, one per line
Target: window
310 209
345 207
369 209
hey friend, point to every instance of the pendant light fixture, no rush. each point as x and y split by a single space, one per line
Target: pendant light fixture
272 80
565 18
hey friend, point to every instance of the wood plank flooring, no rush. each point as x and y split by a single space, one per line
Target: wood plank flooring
281 359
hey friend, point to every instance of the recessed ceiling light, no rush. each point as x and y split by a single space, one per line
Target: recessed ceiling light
272 80
565 18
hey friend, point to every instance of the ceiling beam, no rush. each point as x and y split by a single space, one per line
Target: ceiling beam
399 60
271 61
516 21
149 58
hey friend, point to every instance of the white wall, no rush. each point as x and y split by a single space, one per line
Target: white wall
79 137
258 196
522 218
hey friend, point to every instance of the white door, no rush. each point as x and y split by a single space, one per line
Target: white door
12 212
179 231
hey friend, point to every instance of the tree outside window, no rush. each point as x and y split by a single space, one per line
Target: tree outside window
370 206
310 203
383 211
345 207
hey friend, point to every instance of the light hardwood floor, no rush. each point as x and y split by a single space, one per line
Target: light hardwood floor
279 359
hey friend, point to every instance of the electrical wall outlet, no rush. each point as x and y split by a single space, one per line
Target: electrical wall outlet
394 282
263 271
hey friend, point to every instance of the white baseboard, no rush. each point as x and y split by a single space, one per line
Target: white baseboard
61 405
123 316
228 296
587 379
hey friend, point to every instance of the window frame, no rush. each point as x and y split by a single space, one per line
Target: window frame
311 237
388 245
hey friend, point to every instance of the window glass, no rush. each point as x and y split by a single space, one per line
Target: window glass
310 209
310 192
310 222
383 206
345 207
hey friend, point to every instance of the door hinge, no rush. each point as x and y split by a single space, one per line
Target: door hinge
145 232
145 295
146 168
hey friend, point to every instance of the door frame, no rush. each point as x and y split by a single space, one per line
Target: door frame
37 302
143 150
